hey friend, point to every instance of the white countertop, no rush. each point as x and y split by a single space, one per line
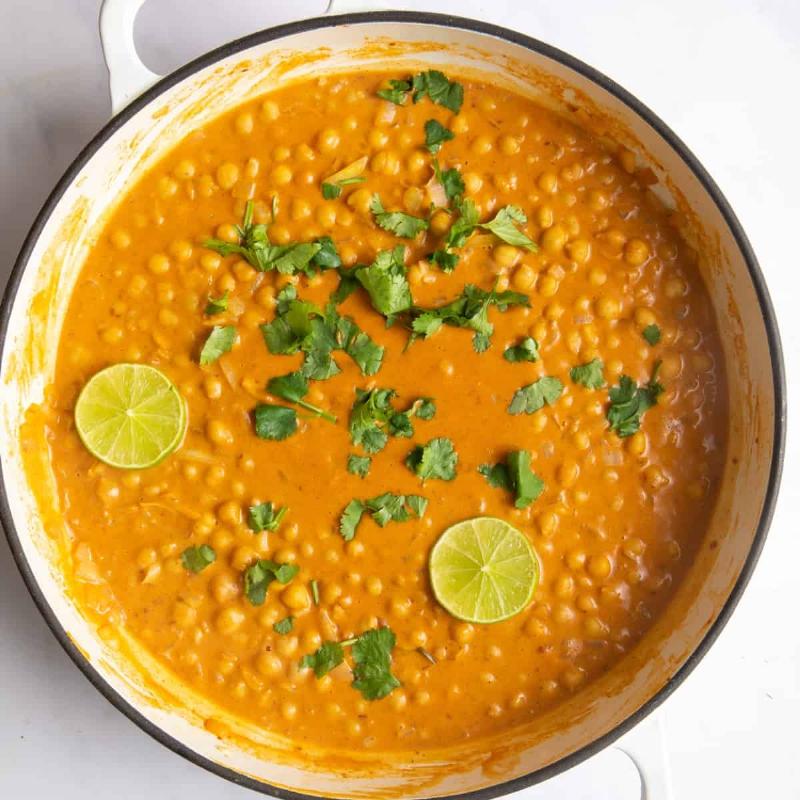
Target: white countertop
724 74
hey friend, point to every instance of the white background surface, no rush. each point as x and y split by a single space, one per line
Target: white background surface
725 75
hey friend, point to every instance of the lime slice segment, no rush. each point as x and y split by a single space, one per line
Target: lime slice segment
130 416
483 570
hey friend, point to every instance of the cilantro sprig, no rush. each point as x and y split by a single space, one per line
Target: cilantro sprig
219 341
515 475
255 247
197 558
371 652
265 517
589 375
432 83
536 395
526 350
373 418
629 403
274 422
294 387
436 459
399 223
386 282
216 305
359 465
384 508
332 190
260 575
436 135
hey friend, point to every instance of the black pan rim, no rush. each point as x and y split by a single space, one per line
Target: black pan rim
644 113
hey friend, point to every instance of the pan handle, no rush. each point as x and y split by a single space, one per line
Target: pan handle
645 745
128 77
349 6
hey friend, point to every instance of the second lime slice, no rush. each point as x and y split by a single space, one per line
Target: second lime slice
130 416
483 570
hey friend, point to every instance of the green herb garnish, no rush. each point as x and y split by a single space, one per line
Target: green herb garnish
515 475
219 342
216 305
386 282
436 135
265 517
384 508
629 402
284 626
526 350
536 395
451 181
397 92
372 654
314 592
331 191
294 387
432 83
437 459
589 375
274 422
327 657
397 222
196 559
373 418
261 574
652 335
359 465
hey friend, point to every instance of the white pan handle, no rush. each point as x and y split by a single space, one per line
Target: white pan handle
349 6
128 77
645 745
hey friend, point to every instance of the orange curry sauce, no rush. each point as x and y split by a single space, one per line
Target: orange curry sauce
616 525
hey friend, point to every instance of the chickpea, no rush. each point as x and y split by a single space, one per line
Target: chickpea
440 223
158 264
328 140
229 620
282 175
554 239
224 587
227 175
269 665
636 252
296 597
524 277
219 433
599 566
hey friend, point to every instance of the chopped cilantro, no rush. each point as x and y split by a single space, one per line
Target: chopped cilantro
629 402
294 387
216 305
384 508
284 626
397 92
652 335
515 475
327 256
469 310
437 459
373 419
445 260
326 657
436 135
451 181
264 517
196 559
589 375
503 227
372 654
359 465
397 222
386 282
219 342
260 575
441 91
536 395
274 422
526 350
330 191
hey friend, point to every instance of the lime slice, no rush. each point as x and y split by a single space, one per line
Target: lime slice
130 416
483 570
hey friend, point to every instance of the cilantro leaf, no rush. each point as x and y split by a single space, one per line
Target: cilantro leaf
384 508
441 91
437 459
216 305
503 227
526 350
284 626
515 475
373 418
464 225
589 375
356 343
350 518
652 335
260 575
219 342
469 310
274 422
328 656
327 257
629 402
451 181
436 135
397 222
196 559
294 387
359 465
536 395
397 92
425 408
443 259
400 425
386 282
372 654
263 517
330 191
348 283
